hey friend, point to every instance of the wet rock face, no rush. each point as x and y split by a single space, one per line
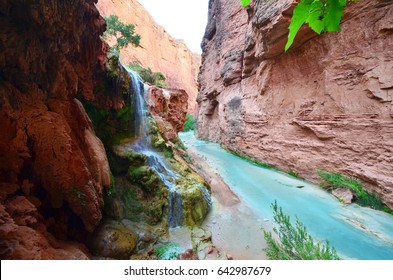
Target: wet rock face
50 50
325 104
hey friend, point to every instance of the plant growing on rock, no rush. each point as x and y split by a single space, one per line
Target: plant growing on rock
169 251
295 242
154 78
363 198
320 15
124 33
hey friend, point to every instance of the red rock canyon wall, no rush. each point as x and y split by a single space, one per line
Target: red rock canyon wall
51 162
158 50
325 104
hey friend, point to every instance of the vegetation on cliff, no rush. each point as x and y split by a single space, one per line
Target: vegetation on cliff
295 242
363 198
320 15
123 33
154 78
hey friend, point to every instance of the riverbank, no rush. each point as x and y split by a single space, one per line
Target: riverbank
355 232
230 221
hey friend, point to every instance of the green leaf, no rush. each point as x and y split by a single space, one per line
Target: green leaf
333 14
314 17
321 15
299 17
245 3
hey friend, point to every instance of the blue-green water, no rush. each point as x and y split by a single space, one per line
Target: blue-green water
356 232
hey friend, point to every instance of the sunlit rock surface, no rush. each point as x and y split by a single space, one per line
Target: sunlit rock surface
158 49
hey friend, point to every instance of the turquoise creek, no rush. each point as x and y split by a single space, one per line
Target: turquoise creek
355 232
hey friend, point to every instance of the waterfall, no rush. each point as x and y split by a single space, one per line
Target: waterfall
142 145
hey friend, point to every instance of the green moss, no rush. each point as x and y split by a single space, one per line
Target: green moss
195 207
168 153
136 159
110 126
154 211
179 145
132 206
154 78
252 160
168 251
363 198
187 158
293 173
145 176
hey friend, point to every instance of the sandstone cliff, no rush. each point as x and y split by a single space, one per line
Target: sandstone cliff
325 104
53 168
157 50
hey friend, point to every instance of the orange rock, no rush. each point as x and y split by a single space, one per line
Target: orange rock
169 108
48 145
158 50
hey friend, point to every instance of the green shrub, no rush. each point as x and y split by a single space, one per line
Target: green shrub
124 33
189 123
363 198
168 251
295 242
154 78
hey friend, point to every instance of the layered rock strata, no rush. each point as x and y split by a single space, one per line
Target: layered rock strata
325 104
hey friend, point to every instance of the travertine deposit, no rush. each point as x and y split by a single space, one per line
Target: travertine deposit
325 104
158 49
169 108
53 168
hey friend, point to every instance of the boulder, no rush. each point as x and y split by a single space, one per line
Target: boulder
343 194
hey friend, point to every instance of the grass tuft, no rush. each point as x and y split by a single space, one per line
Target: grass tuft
363 198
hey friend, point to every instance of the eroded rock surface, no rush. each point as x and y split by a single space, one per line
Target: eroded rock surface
169 108
52 165
325 104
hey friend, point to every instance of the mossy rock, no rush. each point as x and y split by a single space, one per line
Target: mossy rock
113 240
169 251
136 159
195 207
145 176
132 205
155 211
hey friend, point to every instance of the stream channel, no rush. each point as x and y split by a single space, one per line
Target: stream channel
355 232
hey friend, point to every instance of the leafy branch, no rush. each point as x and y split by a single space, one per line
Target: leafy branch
320 15
124 33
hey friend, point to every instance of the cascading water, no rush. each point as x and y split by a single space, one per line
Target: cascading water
143 145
